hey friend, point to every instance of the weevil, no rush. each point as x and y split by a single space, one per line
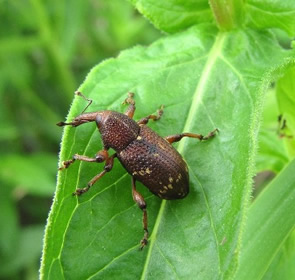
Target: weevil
147 157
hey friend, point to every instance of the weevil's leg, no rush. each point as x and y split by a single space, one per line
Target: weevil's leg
152 117
107 168
131 109
177 137
101 156
138 198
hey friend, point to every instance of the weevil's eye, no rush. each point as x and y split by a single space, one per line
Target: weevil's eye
98 120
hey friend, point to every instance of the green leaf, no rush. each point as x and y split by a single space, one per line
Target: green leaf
175 15
9 231
283 265
27 251
205 79
265 229
271 13
272 154
32 174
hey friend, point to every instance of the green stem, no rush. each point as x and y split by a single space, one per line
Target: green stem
229 14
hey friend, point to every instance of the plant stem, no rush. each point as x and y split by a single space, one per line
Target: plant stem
229 14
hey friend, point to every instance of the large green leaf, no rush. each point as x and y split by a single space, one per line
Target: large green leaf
283 265
205 79
175 15
268 226
271 13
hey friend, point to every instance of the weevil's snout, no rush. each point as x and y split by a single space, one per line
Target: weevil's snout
83 118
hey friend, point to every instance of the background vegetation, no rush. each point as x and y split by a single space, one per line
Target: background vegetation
46 50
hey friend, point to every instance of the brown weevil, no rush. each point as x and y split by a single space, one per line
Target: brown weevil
147 157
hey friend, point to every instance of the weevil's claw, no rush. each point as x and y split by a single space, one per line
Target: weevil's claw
67 163
64 123
78 192
210 135
61 124
129 99
144 241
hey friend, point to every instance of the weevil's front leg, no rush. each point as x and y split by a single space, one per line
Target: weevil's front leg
152 117
101 156
107 168
177 137
138 198
131 109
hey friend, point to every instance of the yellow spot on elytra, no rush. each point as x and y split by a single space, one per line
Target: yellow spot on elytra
163 191
170 179
177 180
186 169
139 138
148 171
170 186
134 173
160 183
156 155
179 176
165 187
141 172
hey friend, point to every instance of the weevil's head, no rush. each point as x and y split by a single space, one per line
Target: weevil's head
117 130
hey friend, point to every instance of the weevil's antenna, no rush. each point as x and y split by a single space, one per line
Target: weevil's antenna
89 100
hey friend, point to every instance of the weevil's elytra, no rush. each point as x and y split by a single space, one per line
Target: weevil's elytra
145 155
139 157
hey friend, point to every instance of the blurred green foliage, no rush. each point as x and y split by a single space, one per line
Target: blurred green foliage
46 50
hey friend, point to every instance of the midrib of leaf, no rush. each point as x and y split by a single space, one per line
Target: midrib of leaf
214 53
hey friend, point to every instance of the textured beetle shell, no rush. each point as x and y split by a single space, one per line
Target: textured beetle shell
154 162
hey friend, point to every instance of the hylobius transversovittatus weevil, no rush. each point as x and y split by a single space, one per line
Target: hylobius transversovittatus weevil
147 157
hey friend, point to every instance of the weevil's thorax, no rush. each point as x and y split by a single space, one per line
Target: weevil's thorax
117 130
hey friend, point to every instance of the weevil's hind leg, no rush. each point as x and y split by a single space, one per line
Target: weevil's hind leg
107 168
177 137
152 117
101 156
138 198
131 109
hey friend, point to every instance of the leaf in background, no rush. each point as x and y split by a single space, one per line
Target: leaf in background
271 14
268 225
173 16
283 266
286 102
72 15
27 250
32 174
272 154
9 231
206 80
